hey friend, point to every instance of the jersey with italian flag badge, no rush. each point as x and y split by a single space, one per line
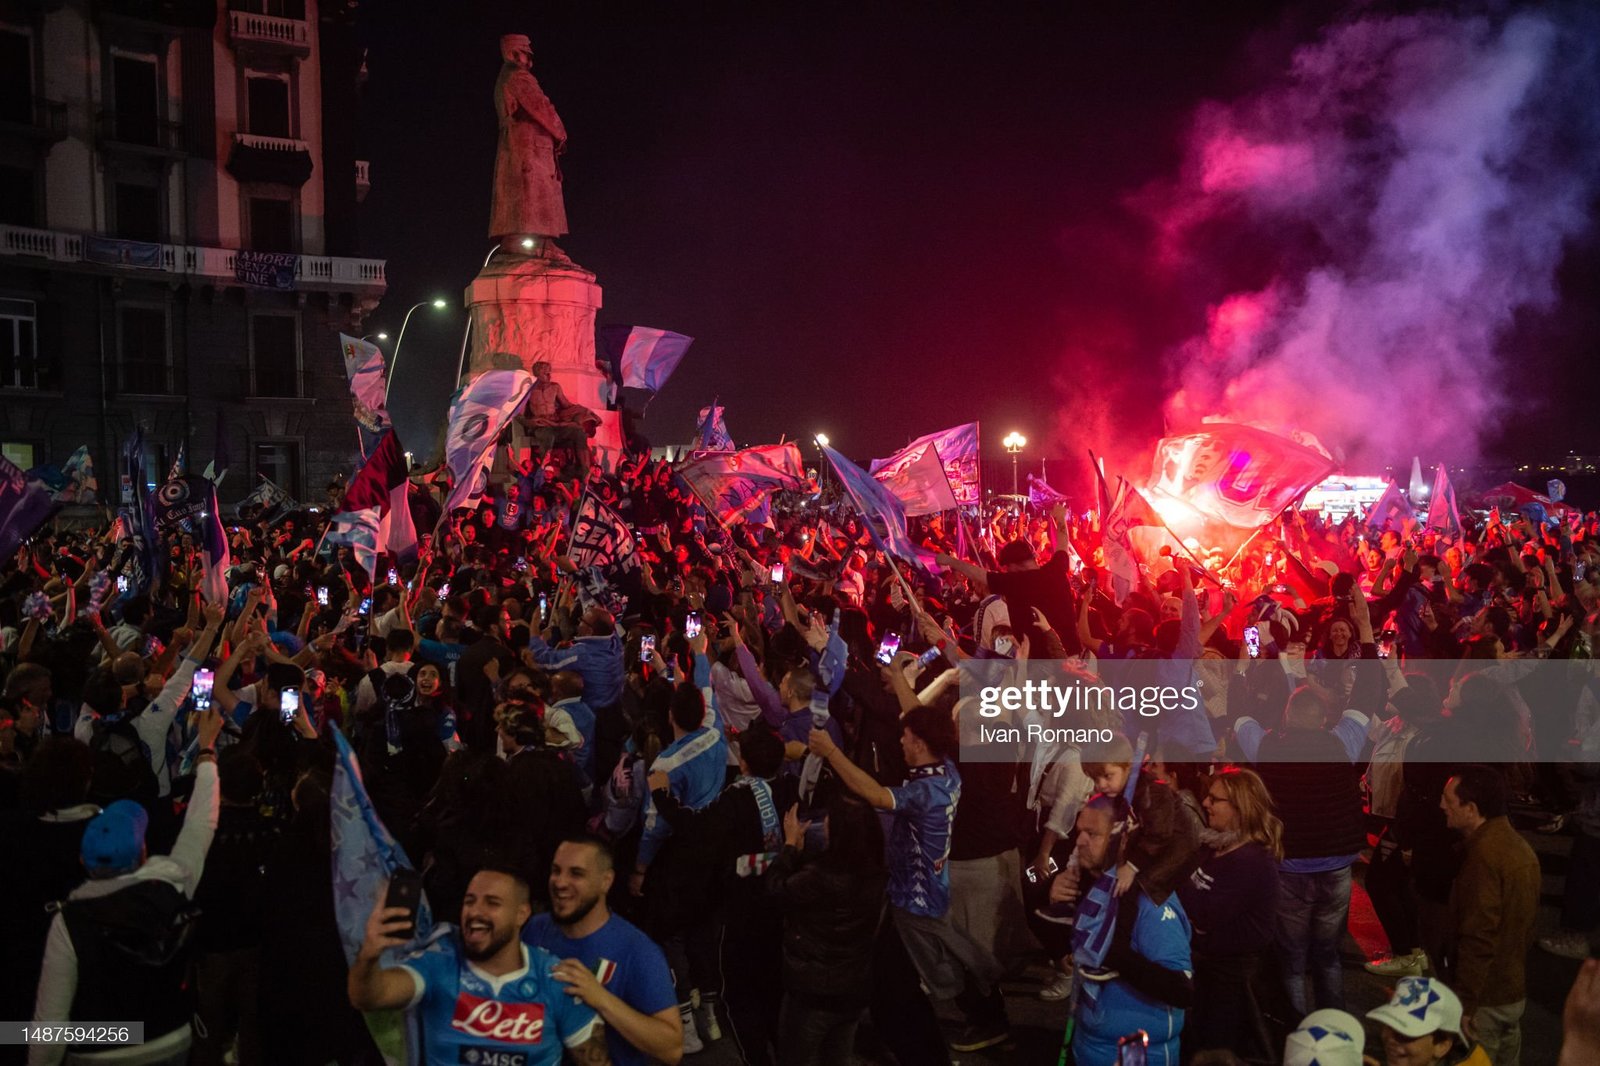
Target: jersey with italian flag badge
470 1018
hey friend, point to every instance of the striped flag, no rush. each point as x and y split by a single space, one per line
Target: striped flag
479 413
365 856
644 356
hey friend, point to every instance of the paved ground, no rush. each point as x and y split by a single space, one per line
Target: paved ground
1037 1026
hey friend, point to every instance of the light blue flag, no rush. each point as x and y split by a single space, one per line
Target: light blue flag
359 531
714 435
1443 514
645 356
881 509
957 448
1390 510
479 413
365 856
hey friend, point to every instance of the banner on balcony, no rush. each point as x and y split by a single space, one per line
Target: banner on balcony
115 252
267 270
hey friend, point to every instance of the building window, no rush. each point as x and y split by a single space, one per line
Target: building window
18 196
279 462
275 355
283 9
268 104
135 93
138 211
16 78
142 350
271 224
20 453
19 344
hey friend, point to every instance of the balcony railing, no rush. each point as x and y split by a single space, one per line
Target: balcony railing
290 35
38 118
270 144
311 271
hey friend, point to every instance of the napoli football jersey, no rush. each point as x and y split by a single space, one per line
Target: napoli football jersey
919 839
473 1019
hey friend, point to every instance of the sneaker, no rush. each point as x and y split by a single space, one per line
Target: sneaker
691 1037
1059 913
1567 945
1411 965
1058 989
977 1037
705 1017
1098 973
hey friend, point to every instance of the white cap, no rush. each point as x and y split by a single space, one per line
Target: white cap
1325 1038
1419 1006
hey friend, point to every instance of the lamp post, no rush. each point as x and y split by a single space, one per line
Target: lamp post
439 304
822 442
381 336
1014 443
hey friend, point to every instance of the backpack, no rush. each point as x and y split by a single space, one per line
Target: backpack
134 947
120 763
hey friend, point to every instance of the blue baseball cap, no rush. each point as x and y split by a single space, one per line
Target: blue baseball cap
113 841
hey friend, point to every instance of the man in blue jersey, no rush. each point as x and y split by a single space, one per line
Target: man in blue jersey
606 961
950 963
484 996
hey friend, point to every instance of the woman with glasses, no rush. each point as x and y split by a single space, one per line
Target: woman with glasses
1231 899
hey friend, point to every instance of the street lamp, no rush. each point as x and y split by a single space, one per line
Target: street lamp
822 442
439 304
381 336
1014 443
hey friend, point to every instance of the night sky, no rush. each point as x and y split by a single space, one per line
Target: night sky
873 225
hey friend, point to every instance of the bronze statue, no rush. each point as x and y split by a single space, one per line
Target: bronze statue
527 208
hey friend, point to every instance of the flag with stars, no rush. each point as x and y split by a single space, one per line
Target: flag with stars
364 857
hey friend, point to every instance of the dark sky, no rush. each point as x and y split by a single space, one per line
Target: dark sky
874 225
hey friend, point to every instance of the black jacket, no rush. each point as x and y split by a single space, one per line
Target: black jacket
830 922
1317 792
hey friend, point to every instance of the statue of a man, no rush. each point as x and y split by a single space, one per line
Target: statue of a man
528 208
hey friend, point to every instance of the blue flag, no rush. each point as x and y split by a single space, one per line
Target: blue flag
1390 511
884 514
25 505
479 413
643 357
713 431
358 530
365 856
1443 514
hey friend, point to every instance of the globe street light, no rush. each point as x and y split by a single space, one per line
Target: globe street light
1014 443
380 335
439 304
822 442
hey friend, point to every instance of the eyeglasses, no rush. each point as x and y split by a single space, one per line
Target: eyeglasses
1214 798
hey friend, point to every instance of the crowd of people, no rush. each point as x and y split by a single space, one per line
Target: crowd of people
714 792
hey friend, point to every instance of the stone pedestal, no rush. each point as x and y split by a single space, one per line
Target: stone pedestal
528 309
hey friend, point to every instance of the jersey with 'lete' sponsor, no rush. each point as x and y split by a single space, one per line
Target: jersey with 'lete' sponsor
470 1018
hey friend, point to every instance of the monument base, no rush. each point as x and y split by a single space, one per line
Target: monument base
528 309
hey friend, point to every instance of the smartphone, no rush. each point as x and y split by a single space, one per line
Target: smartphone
522 564
777 573
122 579
405 890
928 656
322 595
691 625
647 646
288 703
204 683
544 605
1131 1049
366 605
152 645
1252 641
1578 570
394 576
1386 643
1281 589
889 648
444 589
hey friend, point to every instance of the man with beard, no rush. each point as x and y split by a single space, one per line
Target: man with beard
484 995
606 961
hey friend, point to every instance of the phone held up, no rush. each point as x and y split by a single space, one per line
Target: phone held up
691 625
204 684
889 648
288 704
1252 641
405 890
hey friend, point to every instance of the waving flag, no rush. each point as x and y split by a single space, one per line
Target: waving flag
479 413
600 538
918 479
736 485
713 432
957 449
882 511
384 482
644 356
264 503
214 552
1391 510
363 364
1041 495
357 530
1114 543
77 473
1443 514
25 505
365 856
1239 475
180 463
